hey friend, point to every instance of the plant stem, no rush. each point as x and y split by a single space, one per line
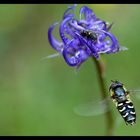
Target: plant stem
108 114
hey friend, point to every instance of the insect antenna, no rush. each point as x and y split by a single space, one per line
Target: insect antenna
135 92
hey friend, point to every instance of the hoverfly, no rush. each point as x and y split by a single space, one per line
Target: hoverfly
120 97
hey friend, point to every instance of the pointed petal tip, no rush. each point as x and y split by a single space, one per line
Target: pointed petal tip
123 48
53 25
57 45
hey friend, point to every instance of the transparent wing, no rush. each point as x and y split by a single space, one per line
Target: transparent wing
95 108
135 92
92 108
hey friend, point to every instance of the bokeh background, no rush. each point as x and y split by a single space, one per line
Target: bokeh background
37 96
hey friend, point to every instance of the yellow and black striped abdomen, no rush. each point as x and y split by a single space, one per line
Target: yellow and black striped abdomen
127 111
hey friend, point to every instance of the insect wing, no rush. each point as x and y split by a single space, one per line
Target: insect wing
95 108
135 92
92 108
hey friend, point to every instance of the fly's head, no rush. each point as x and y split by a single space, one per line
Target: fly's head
118 91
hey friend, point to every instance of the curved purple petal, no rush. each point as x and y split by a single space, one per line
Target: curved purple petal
83 55
98 25
62 30
88 13
57 45
69 56
83 22
67 14
74 55
89 44
114 47
75 25
69 31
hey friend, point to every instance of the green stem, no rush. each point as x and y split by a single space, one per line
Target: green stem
109 116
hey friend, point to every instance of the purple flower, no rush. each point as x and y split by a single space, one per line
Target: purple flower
83 37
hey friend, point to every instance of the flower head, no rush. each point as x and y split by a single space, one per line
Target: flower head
83 37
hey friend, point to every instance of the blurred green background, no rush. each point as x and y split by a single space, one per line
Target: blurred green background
37 96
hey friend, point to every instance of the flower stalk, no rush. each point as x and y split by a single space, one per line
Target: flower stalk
109 117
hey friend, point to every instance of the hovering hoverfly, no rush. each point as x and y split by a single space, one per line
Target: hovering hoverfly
120 97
